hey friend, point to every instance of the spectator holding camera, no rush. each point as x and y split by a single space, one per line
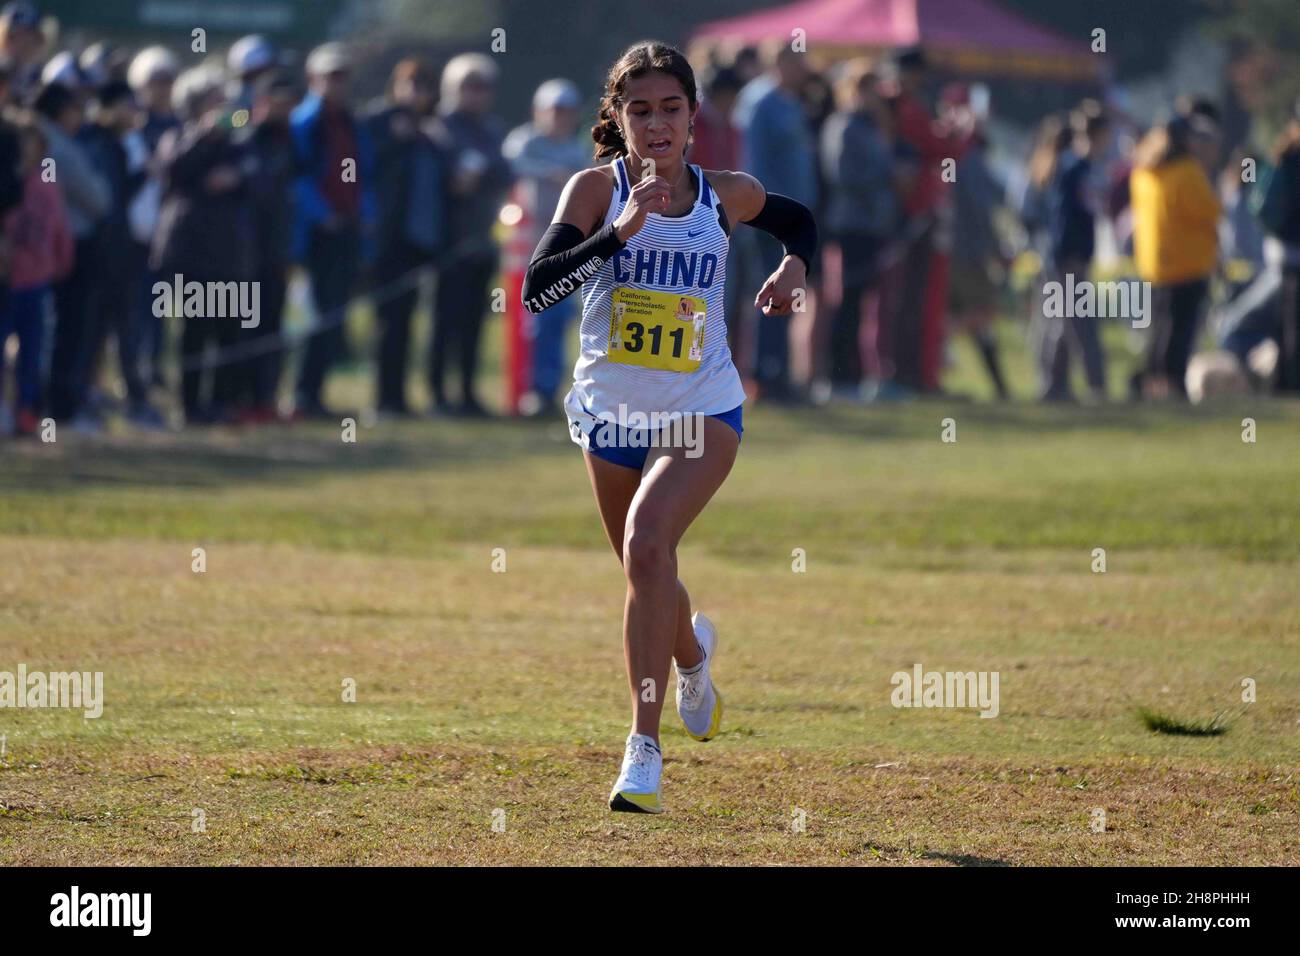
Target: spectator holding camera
205 231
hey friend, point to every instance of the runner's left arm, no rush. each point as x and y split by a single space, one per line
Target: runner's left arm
789 221
792 223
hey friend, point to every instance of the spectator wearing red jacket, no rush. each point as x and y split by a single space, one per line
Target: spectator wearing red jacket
40 247
920 297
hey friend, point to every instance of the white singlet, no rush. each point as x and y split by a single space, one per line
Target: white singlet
671 258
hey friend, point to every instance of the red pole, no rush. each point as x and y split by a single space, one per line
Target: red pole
516 357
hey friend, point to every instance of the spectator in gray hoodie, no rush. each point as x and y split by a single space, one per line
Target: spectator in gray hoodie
545 153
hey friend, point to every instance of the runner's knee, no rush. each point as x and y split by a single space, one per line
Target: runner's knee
648 555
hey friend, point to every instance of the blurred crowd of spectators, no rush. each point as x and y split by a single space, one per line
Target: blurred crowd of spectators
120 169
922 234
125 171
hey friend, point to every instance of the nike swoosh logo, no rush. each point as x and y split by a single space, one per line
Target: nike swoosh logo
692 235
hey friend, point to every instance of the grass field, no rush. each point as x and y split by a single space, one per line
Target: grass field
487 697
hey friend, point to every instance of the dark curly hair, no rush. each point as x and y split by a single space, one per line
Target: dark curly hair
640 59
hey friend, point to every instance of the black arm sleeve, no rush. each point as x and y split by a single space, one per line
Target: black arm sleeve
792 223
563 261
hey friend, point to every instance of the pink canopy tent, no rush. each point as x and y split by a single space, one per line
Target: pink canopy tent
974 37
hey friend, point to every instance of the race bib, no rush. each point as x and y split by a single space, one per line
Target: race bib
656 330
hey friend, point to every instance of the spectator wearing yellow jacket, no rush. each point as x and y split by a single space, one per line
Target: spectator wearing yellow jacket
1175 242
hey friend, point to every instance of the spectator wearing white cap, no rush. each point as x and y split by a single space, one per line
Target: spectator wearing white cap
544 153
481 175
102 63
250 58
335 207
21 44
197 92
151 76
62 69
273 163
205 229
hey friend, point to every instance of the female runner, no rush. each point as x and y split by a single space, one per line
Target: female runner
656 401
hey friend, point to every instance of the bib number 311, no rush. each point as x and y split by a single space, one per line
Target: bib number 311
656 330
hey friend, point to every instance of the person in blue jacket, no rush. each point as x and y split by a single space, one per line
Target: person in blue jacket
335 210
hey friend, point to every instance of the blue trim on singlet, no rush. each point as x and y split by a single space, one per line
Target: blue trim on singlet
704 196
623 188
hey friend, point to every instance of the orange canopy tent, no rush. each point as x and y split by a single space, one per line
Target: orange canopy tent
970 37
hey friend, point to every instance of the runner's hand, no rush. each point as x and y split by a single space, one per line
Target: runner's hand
778 292
651 194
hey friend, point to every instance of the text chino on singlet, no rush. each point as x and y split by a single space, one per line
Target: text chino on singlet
653 332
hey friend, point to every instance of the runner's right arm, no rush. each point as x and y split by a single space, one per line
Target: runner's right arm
564 260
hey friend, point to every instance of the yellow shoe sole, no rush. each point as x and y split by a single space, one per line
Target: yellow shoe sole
715 720
635 803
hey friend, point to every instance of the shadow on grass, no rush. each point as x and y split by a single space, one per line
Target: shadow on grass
224 456
221 457
1162 723
963 859
921 418
893 854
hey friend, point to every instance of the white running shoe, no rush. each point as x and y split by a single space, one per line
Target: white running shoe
698 702
637 788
